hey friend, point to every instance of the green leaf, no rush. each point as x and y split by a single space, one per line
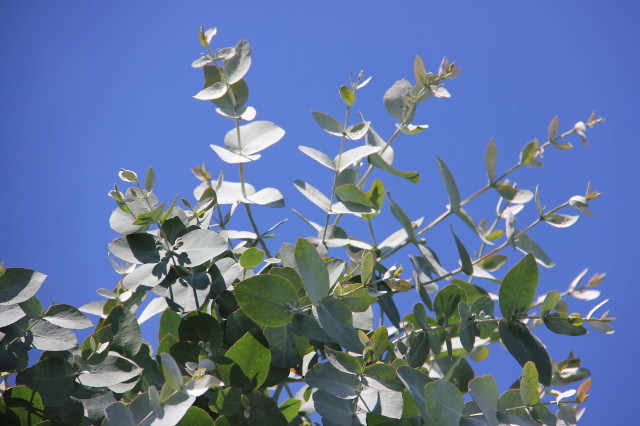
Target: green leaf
529 384
528 153
53 378
328 123
237 66
416 381
312 270
513 195
198 246
254 137
352 194
334 411
347 95
484 391
526 245
357 131
267 299
465 259
382 377
490 156
23 403
450 184
553 129
326 377
560 220
518 288
19 285
377 161
150 181
196 417
467 327
524 346
127 338
336 321
419 71
67 316
446 304
561 323
402 217
376 197
444 402
251 258
549 303
150 217
290 408
493 263
252 356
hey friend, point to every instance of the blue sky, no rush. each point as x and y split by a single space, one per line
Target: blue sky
90 87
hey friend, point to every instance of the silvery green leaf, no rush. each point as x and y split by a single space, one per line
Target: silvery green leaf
328 123
113 370
254 137
357 131
398 237
510 226
118 414
439 91
10 314
237 66
419 71
353 155
350 208
201 61
209 34
364 83
66 316
512 194
146 276
314 225
402 217
49 337
412 129
395 101
527 245
450 184
269 197
171 371
377 161
586 294
560 220
231 157
225 53
539 207
581 204
199 385
128 176
373 139
157 305
245 113
19 285
319 156
313 195
215 91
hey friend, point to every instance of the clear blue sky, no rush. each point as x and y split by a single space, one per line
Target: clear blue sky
90 87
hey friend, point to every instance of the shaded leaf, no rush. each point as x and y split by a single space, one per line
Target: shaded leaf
465 259
19 285
444 402
526 245
377 161
484 391
518 288
328 123
490 155
524 346
252 356
450 184
312 270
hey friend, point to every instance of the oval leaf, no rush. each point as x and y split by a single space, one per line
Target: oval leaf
267 299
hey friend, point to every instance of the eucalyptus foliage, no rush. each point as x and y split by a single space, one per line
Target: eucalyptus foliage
248 336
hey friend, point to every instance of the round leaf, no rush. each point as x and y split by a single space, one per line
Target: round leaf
267 299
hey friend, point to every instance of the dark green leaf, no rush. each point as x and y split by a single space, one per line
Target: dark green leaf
467 327
267 299
416 381
402 217
524 346
53 378
518 288
446 304
329 379
343 361
287 348
334 411
560 323
526 245
312 270
465 259
336 321
127 338
18 285
200 327
549 303
450 184
118 414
